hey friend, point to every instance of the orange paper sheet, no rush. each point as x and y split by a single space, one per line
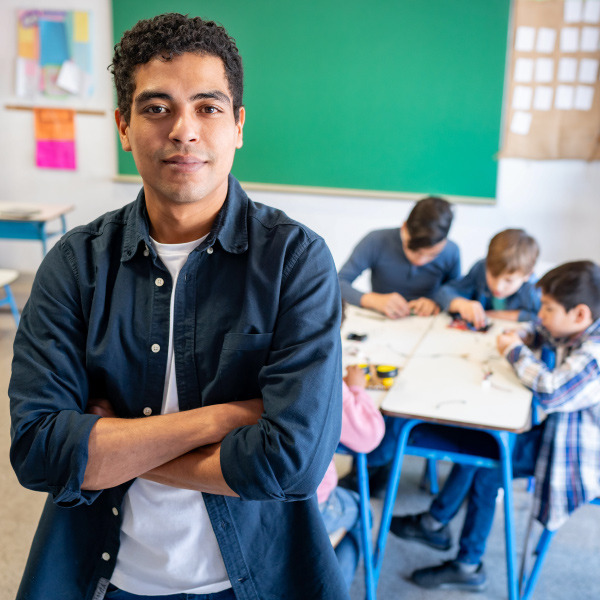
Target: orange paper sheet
54 124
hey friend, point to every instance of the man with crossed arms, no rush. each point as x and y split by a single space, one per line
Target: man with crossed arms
176 385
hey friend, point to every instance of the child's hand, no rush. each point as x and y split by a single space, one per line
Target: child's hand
470 310
526 336
355 377
423 307
391 305
506 339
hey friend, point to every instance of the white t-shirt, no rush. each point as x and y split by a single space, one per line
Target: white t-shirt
167 542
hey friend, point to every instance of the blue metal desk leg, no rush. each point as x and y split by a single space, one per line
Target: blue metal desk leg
505 442
390 496
432 475
366 528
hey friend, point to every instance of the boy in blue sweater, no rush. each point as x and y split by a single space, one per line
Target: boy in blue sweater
408 265
498 286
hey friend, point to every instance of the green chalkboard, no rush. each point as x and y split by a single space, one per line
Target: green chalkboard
388 95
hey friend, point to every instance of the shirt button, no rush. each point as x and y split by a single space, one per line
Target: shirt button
159 281
209 250
115 511
147 411
105 556
155 348
146 252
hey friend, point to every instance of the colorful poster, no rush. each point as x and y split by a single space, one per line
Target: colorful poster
55 138
53 53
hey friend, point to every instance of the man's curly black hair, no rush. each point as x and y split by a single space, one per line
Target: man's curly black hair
169 35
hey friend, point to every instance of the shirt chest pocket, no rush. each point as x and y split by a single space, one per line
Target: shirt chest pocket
242 357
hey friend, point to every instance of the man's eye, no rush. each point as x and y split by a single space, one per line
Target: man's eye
155 110
211 110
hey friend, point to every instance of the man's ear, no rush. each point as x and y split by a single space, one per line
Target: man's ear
240 128
123 128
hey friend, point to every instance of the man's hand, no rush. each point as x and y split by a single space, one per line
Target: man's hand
101 407
507 339
470 310
391 305
423 307
355 377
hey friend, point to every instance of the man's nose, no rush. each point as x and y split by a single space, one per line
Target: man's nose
186 128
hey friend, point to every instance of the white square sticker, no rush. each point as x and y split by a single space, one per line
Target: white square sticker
525 39
522 97
567 70
542 100
523 70
589 39
588 70
573 12
521 123
564 97
569 39
584 97
546 40
591 11
544 70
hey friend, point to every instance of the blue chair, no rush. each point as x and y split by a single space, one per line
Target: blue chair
365 517
7 276
529 580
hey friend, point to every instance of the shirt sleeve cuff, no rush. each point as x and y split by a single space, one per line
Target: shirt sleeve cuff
513 352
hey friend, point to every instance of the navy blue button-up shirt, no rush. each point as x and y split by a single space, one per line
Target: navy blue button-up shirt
258 315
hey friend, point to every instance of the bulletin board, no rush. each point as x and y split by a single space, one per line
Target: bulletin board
54 54
553 97
381 97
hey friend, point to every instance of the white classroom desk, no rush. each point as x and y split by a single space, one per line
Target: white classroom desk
441 380
30 221
444 381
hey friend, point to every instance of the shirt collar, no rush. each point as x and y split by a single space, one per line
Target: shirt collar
592 330
574 342
230 227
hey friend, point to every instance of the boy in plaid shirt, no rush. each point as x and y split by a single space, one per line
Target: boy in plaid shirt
559 360
568 464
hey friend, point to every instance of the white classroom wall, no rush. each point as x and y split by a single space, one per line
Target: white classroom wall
557 201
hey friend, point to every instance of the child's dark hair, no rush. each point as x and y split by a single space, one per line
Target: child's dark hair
510 251
170 35
428 222
574 283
